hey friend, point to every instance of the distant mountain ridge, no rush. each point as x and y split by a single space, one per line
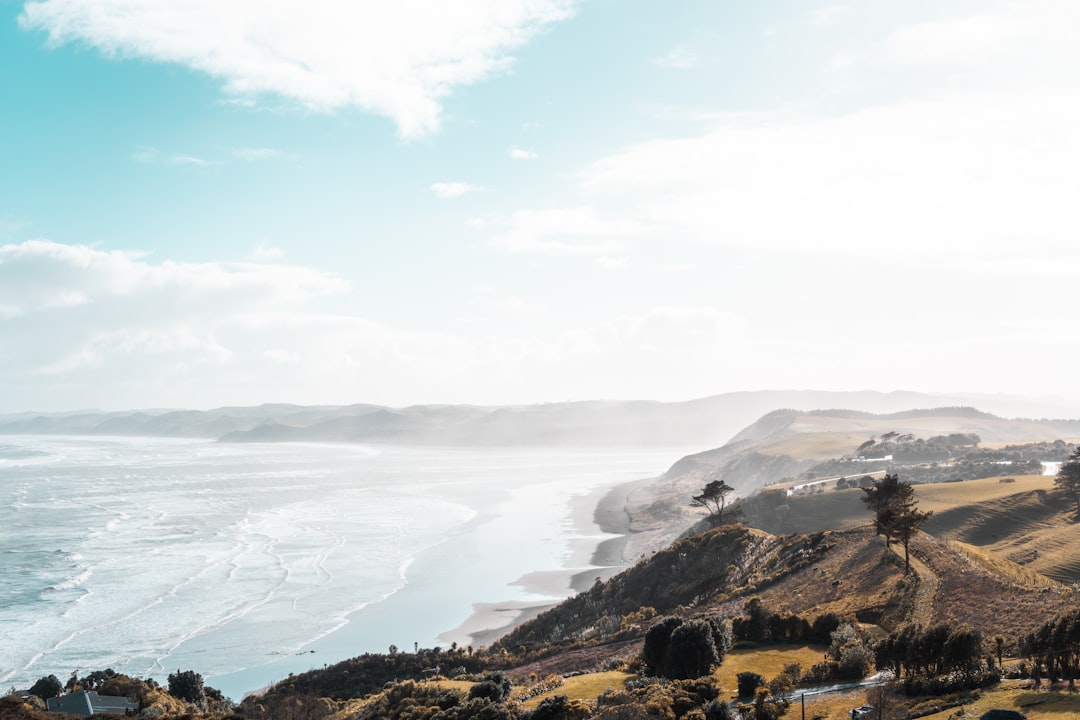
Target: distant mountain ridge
705 422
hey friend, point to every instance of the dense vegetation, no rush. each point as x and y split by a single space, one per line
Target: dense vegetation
942 458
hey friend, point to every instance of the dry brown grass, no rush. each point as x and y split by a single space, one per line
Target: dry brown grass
1035 704
1025 522
854 577
974 594
767 662
943 497
584 687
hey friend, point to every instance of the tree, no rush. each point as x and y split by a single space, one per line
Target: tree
654 652
692 651
494 686
905 519
188 686
713 498
896 513
748 682
1068 477
878 497
47 687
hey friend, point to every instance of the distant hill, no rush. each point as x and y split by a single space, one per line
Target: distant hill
706 422
785 445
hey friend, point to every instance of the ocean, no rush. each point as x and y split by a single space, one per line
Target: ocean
249 562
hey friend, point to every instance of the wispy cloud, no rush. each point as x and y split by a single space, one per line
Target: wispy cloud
451 190
262 252
151 156
517 153
680 58
256 153
393 59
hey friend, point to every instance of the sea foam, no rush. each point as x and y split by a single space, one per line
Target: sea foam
239 561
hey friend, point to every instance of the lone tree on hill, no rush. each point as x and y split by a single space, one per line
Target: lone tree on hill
713 498
1068 477
896 511
879 497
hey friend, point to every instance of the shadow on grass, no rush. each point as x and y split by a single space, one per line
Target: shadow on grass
1046 701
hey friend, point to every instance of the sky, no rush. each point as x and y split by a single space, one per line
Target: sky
207 203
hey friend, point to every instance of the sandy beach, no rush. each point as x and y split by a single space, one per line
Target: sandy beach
602 525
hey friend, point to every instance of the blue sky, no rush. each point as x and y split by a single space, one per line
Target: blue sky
496 201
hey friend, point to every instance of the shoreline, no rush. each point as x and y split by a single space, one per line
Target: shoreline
603 524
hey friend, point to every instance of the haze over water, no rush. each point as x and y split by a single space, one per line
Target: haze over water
241 561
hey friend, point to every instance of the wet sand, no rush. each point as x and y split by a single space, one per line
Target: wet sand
602 525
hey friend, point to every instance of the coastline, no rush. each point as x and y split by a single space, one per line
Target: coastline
603 528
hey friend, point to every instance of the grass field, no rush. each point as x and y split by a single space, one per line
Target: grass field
1035 704
767 662
584 687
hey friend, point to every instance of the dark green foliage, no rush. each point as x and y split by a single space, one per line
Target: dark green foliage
680 649
719 710
187 686
654 652
473 709
1068 477
407 699
692 651
47 687
896 513
823 627
654 698
767 707
713 498
494 687
938 650
1002 714
558 707
748 683
1054 649
760 625
368 673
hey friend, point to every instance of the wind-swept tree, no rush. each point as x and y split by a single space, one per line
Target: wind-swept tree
713 498
879 498
1068 477
904 518
896 512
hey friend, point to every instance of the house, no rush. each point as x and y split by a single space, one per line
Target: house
88 702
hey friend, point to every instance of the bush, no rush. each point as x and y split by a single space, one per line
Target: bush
494 686
748 683
47 687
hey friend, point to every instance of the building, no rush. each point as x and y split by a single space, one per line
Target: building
88 702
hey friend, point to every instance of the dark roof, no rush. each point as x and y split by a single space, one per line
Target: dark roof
88 702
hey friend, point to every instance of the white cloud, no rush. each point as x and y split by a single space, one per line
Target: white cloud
517 153
262 252
186 160
394 59
450 190
565 231
149 155
680 58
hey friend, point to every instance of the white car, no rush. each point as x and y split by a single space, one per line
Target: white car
863 711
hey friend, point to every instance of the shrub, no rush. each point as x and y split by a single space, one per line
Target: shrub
748 683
